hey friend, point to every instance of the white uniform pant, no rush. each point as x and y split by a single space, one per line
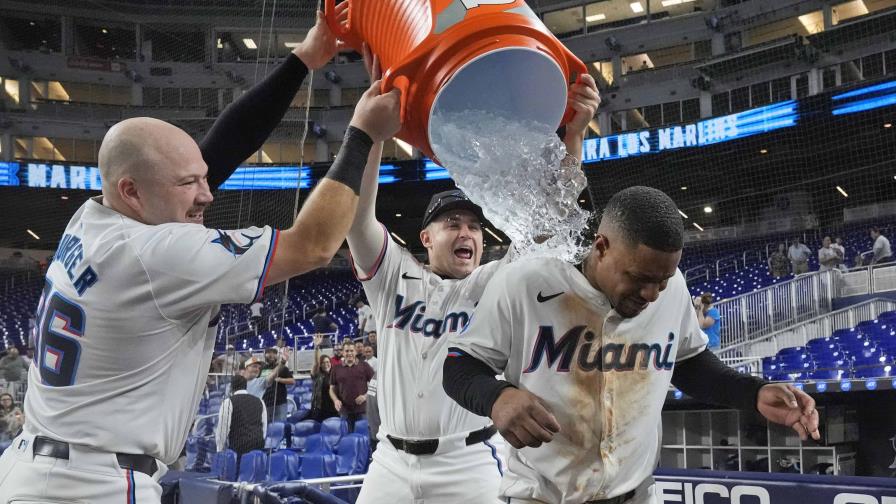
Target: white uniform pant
468 474
87 477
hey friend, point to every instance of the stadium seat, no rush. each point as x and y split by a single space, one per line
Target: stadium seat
318 443
224 465
253 467
285 466
306 428
275 436
362 427
318 465
333 429
352 454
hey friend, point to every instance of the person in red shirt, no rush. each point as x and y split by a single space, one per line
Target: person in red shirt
348 385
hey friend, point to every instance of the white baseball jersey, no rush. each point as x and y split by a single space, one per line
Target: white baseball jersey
604 377
126 328
415 310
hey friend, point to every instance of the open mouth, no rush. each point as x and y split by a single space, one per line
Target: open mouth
195 217
465 253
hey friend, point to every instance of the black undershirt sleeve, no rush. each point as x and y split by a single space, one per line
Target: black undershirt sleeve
471 382
245 124
706 378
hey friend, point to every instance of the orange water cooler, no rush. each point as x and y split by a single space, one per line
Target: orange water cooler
450 56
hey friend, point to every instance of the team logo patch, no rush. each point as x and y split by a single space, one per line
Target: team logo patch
233 242
23 445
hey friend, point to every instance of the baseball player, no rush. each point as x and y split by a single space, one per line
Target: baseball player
588 353
430 449
128 318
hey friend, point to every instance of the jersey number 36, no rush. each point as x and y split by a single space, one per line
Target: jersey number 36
60 325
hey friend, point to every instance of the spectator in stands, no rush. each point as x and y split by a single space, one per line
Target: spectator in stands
366 322
336 359
778 264
710 320
256 318
278 376
321 402
28 357
828 258
370 340
255 384
19 262
11 417
282 349
373 412
13 367
348 385
881 249
798 254
841 252
242 421
228 362
359 351
323 326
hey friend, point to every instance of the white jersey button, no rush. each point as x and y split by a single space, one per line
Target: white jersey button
420 394
423 355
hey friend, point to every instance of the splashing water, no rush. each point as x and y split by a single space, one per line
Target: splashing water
513 171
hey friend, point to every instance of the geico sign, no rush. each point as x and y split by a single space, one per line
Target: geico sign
688 493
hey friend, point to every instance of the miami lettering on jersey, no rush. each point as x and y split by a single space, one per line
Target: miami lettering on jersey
70 254
413 314
608 357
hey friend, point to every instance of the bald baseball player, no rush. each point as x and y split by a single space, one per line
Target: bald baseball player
128 318
588 352
430 449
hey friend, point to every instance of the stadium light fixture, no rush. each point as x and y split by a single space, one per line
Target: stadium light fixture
31 23
595 17
489 231
707 209
842 192
63 197
249 43
398 215
105 31
398 238
637 8
220 44
683 214
684 188
763 151
888 125
32 233
697 226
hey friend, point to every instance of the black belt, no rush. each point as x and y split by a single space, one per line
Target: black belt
59 449
619 499
429 446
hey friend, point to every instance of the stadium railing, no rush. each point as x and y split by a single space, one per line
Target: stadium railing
750 353
866 280
755 314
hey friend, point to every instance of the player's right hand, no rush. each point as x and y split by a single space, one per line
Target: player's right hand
338 405
378 115
523 419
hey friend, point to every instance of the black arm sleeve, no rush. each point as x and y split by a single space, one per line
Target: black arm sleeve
706 378
471 383
349 165
243 127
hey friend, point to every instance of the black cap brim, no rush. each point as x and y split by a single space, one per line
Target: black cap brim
460 204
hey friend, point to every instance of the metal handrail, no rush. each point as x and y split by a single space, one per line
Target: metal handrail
726 260
688 277
850 311
748 253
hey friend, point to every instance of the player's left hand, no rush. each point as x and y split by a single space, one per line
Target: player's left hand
321 44
787 405
361 399
584 99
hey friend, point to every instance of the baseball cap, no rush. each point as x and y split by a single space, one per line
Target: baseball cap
253 360
445 201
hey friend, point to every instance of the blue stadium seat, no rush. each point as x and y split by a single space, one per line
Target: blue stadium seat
306 428
352 454
253 467
318 465
275 436
821 344
224 465
362 427
285 466
333 429
318 443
